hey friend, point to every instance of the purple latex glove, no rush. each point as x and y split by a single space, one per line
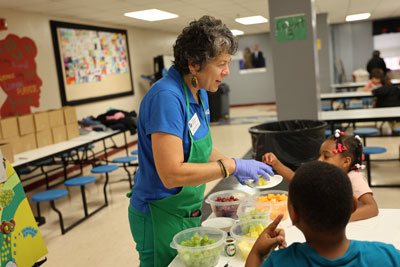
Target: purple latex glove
250 169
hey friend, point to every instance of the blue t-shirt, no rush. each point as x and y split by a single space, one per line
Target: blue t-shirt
163 109
360 253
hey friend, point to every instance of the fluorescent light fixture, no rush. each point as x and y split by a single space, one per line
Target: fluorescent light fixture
251 20
237 32
358 16
151 15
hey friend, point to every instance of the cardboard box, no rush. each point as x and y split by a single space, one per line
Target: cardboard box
70 115
41 121
28 142
56 118
59 133
26 124
44 138
9 127
7 151
15 144
72 130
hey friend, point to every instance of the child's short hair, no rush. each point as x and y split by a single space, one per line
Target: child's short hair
322 195
354 148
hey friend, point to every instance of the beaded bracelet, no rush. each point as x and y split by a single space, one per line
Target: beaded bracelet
224 170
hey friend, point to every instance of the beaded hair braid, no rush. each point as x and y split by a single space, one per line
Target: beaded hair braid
350 146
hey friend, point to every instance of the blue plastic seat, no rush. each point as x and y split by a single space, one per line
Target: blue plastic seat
364 132
83 148
82 181
125 161
328 133
134 152
42 162
79 181
370 150
105 169
326 108
355 106
66 154
50 195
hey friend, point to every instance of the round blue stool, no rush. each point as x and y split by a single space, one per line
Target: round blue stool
81 181
328 133
134 152
370 150
40 164
125 161
50 195
364 132
105 169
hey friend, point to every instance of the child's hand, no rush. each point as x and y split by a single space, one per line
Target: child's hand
270 159
271 238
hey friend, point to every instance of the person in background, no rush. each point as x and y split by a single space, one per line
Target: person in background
387 95
320 204
376 80
345 152
258 58
376 62
176 155
248 58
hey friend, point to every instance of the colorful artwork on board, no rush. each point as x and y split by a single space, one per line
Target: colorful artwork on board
20 240
89 55
18 77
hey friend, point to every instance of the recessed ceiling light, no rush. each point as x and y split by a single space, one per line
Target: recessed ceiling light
151 15
237 32
358 16
251 20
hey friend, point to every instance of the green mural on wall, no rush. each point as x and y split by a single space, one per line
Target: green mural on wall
291 28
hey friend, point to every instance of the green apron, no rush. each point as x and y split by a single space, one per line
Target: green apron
171 215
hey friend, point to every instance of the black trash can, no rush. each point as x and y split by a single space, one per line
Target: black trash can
219 103
293 141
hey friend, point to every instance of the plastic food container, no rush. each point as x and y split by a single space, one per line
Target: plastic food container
250 209
223 223
206 255
244 243
277 199
226 209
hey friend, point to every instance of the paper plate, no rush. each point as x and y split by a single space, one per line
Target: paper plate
273 181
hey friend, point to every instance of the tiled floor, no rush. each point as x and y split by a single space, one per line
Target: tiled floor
105 240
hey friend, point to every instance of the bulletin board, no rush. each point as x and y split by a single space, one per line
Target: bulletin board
93 63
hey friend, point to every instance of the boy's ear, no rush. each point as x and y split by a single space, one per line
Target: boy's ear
355 203
293 214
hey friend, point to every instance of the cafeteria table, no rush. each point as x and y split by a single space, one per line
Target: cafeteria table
384 228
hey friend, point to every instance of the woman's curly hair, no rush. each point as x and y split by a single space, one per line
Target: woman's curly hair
201 41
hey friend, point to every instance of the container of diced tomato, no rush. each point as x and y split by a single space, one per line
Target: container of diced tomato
225 203
275 199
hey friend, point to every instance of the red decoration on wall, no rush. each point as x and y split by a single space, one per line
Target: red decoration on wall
3 24
18 76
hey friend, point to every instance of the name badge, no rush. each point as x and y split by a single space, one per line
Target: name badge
194 124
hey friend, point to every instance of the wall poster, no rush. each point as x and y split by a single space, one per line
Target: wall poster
18 75
92 62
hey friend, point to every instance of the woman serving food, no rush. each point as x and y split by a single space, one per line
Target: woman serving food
176 157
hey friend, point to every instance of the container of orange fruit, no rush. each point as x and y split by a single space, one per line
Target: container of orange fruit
273 200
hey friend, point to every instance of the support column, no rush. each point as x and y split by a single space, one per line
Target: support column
324 53
295 61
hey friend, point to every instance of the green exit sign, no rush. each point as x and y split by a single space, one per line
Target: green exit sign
291 28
